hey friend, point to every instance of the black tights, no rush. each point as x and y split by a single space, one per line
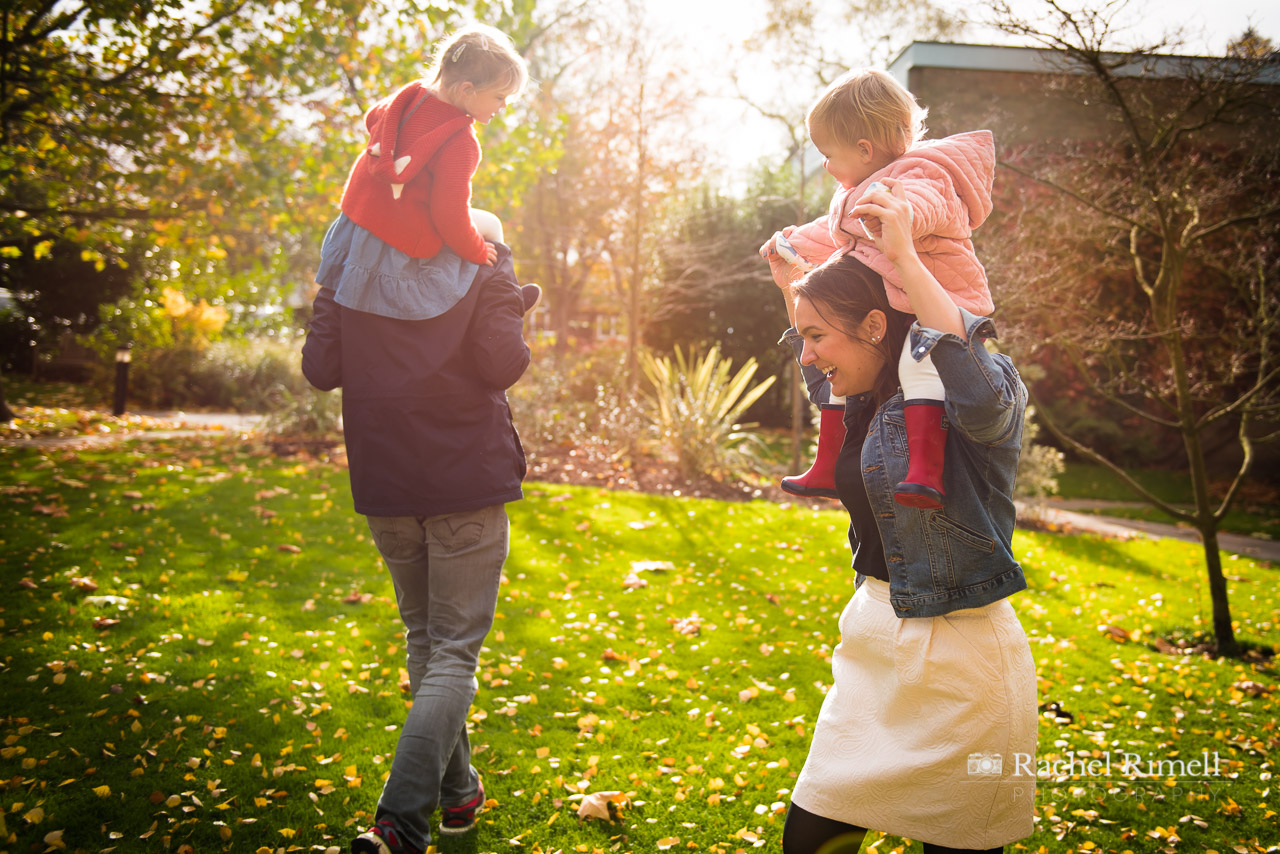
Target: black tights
806 833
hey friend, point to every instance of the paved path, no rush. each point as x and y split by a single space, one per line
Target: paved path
1063 512
184 424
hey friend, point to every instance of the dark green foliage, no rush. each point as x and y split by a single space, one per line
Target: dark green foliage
716 287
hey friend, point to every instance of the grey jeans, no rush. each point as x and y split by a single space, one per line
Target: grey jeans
446 571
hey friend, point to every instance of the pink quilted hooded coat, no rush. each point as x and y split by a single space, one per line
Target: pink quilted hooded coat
948 183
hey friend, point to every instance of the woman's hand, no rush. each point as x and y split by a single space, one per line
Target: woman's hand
930 302
490 254
893 212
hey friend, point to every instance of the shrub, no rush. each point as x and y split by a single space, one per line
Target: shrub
1039 465
581 403
241 375
306 413
697 406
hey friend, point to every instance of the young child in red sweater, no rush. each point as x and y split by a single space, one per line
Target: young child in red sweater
407 243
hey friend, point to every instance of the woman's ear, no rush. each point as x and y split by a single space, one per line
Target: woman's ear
875 324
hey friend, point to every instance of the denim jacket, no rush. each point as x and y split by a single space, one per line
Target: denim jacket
960 556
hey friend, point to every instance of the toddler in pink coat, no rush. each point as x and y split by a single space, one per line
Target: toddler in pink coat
868 127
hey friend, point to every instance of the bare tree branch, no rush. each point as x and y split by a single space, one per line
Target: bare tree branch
1091 454
1072 194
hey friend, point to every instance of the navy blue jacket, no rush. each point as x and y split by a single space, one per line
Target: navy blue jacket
424 404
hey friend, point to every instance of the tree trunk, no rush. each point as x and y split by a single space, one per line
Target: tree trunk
1222 628
1164 305
6 414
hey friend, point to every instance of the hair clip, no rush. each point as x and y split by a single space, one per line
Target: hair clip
457 53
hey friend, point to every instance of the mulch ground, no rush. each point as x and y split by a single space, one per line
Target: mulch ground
656 476
566 465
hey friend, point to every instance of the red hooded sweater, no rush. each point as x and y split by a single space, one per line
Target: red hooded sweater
411 186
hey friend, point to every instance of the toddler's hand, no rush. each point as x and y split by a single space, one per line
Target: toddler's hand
490 254
783 273
769 247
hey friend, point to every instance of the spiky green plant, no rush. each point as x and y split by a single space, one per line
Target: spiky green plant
697 406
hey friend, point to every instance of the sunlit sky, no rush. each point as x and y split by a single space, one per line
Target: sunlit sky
717 27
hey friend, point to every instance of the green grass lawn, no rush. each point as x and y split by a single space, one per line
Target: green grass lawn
240 689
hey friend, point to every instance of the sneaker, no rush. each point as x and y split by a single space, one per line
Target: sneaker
532 296
382 838
460 819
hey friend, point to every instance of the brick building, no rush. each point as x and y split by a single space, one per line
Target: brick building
1025 94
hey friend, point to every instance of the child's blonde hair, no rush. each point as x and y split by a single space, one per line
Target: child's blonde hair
482 56
871 105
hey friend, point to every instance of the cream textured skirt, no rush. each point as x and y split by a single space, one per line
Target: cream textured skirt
929 731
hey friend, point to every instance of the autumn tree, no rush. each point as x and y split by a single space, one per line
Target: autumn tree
647 118
1143 253
606 96
208 141
561 231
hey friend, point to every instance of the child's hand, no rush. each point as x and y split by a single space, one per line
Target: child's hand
784 270
490 254
892 213
769 248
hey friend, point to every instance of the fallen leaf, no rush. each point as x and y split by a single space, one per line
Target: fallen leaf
1253 689
1116 633
604 805
652 565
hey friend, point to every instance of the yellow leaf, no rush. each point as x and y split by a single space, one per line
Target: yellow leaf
102 791
54 840
34 816
668 842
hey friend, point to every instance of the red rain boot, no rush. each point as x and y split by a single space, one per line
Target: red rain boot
820 480
927 445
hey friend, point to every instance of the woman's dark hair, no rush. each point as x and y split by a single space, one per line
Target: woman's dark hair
843 292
